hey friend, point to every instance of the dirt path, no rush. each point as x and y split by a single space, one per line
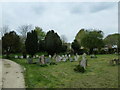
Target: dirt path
12 75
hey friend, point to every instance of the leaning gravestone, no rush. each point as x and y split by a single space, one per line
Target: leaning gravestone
83 62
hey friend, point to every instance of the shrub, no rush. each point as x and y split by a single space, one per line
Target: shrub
53 63
79 68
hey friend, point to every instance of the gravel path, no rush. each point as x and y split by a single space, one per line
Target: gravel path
12 74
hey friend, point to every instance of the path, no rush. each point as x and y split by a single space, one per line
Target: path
12 75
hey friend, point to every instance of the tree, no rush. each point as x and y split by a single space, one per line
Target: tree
41 36
111 40
52 42
23 29
4 29
10 43
93 39
63 38
31 43
40 33
80 35
75 46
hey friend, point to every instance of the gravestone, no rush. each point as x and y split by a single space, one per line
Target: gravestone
50 56
83 62
39 60
64 59
75 58
27 56
30 61
33 56
71 59
37 56
47 60
16 56
42 59
21 57
93 56
58 58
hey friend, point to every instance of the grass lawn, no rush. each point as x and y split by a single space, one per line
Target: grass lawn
99 74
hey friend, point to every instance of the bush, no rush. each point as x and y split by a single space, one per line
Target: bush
79 68
43 65
53 63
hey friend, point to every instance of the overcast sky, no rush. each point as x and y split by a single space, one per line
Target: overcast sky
66 18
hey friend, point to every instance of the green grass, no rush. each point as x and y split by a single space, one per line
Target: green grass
99 74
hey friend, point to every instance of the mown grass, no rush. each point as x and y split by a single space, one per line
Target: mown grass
99 74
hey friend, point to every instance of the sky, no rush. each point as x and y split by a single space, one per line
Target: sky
65 18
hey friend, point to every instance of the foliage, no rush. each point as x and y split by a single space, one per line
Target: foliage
93 40
40 33
11 43
31 43
80 35
112 40
75 46
52 42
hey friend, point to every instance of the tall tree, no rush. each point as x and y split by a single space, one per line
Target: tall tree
10 43
40 33
23 29
31 43
52 42
41 36
80 35
75 46
93 39
112 40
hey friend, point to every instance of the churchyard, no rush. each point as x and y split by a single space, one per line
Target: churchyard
99 73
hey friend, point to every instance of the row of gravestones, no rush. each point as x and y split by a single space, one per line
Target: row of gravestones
21 57
44 60
115 62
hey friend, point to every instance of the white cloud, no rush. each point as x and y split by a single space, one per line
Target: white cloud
65 18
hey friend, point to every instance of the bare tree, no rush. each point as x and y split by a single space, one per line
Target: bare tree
24 29
64 39
4 30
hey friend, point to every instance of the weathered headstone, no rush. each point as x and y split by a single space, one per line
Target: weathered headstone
64 59
47 60
42 59
37 56
50 56
71 59
21 57
16 56
30 61
27 56
75 58
83 62
58 58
